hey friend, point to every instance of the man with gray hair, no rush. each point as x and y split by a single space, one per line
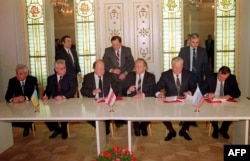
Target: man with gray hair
61 85
20 89
176 82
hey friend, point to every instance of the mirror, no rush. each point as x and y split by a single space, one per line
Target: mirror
199 17
64 21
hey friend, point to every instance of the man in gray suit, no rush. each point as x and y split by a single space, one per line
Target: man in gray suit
195 59
118 59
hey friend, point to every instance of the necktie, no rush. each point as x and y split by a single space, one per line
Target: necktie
139 84
100 87
59 86
178 85
194 61
22 84
70 58
118 58
221 89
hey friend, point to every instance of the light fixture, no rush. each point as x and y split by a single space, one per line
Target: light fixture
195 3
63 7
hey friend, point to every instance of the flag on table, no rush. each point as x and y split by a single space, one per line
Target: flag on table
110 100
34 98
198 98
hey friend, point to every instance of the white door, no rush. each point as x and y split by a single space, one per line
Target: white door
137 22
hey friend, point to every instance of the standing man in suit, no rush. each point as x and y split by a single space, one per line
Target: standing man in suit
187 41
176 82
195 59
20 89
210 50
140 84
221 85
61 85
118 59
97 85
70 56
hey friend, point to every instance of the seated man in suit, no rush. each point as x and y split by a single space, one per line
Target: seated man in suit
221 85
97 84
140 84
176 82
20 89
61 85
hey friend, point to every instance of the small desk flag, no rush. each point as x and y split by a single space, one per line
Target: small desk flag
34 98
198 98
111 97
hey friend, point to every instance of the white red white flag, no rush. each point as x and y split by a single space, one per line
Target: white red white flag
110 100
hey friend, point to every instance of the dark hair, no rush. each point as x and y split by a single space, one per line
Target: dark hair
224 70
116 38
64 37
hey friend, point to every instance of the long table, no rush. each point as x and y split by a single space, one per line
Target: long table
83 109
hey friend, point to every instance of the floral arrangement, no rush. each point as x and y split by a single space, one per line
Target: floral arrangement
116 154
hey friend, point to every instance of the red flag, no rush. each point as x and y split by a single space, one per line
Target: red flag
111 97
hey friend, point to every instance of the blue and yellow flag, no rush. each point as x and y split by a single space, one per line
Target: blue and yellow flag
34 98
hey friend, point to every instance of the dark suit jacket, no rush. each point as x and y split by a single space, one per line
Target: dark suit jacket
210 49
68 86
148 84
88 84
168 83
202 62
62 54
230 86
15 88
127 60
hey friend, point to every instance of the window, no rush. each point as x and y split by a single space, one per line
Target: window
36 40
171 31
85 34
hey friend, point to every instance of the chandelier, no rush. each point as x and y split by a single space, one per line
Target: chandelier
195 3
63 7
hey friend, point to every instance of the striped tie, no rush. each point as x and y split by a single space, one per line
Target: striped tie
118 58
139 84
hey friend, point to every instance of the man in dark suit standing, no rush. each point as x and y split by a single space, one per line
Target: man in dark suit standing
195 59
221 85
20 89
176 82
210 50
70 56
97 85
61 85
140 84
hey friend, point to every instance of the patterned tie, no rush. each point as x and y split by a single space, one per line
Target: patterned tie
139 84
59 86
100 87
118 58
22 84
221 89
178 85
194 61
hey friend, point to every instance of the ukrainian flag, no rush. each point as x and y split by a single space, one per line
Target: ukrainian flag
34 98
